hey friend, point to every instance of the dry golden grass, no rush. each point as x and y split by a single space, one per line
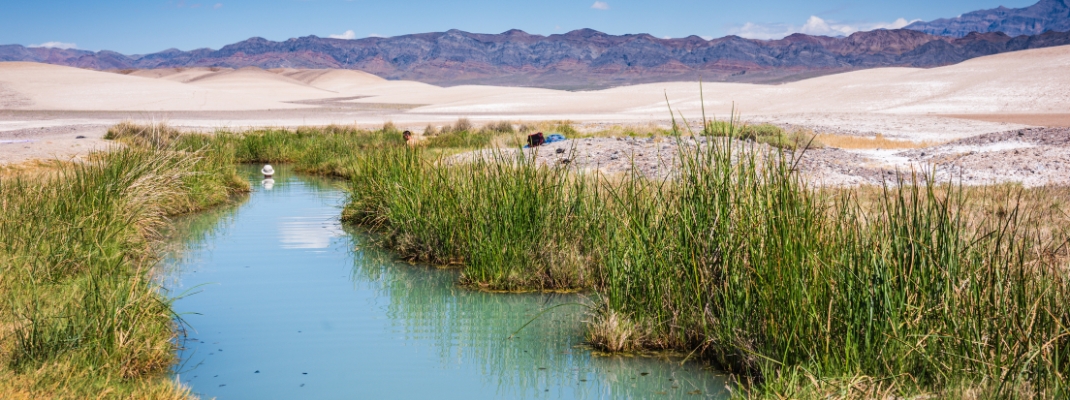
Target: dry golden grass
1045 209
542 126
52 381
611 331
156 134
636 130
31 169
863 143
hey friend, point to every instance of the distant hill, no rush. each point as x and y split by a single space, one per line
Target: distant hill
574 60
1046 15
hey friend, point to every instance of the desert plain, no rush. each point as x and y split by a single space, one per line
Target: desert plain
1000 118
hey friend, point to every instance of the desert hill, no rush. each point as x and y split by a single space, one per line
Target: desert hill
1031 81
1046 15
33 86
582 59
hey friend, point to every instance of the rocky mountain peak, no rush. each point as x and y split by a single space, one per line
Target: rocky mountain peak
1045 15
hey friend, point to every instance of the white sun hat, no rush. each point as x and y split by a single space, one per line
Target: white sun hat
267 170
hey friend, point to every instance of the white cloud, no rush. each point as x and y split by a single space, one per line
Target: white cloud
344 35
600 5
55 45
814 26
706 37
218 6
375 35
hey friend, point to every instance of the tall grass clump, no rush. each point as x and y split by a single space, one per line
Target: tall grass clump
81 316
514 225
805 293
156 134
762 133
318 150
463 135
798 291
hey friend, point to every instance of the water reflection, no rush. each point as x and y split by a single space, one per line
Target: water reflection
314 232
293 305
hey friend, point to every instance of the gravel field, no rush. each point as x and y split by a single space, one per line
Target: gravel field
1030 156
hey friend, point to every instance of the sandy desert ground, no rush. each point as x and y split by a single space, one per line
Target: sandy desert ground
49 111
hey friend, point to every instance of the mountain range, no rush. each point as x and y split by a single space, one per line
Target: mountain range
590 59
1047 15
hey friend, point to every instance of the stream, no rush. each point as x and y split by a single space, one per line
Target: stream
281 301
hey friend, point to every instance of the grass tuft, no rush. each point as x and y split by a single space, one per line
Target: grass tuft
82 315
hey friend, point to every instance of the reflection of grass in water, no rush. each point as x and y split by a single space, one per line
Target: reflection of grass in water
474 326
193 230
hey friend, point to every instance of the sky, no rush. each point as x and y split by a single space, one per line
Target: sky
147 26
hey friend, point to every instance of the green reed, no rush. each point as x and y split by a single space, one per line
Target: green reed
739 261
81 315
512 224
799 291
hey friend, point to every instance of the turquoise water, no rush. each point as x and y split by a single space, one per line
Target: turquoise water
283 302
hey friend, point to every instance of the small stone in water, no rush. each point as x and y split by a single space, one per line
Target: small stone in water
257 372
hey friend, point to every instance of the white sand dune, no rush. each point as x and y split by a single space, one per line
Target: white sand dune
335 80
262 84
183 75
51 87
1032 81
483 97
875 100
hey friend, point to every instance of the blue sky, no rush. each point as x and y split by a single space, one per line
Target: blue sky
137 27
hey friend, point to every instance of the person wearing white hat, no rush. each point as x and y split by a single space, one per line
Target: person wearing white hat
267 171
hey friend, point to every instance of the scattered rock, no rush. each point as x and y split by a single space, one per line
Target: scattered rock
1032 156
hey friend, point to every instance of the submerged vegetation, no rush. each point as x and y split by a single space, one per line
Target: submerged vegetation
914 288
